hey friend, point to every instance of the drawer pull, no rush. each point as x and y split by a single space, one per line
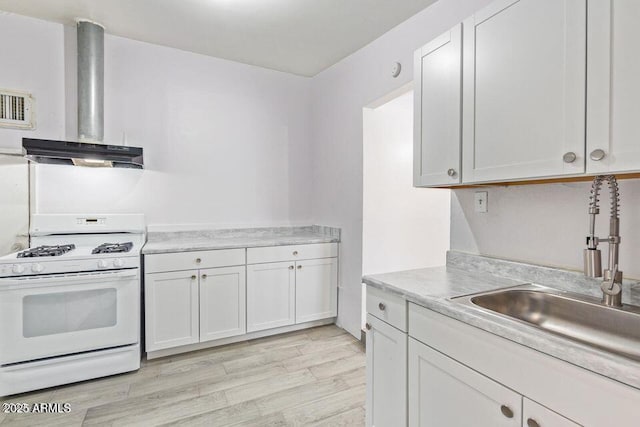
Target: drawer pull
506 411
381 306
368 326
291 267
532 423
194 277
295 252
198 260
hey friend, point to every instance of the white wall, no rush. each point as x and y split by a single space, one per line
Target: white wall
338 96
545 224
14 203
225 143
32 58
402 227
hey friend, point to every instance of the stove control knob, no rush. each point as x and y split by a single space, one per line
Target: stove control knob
118 262
37 268
102 264
18 268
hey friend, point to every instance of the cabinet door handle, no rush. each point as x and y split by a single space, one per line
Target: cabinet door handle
506 411
198 260
532 423
569 157
451 172
299 267
291 267
368 326
597 155
381 306
204 276
194 277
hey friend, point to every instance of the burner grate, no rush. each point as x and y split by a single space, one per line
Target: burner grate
110 248
41 251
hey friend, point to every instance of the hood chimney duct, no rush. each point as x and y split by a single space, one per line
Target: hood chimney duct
90 81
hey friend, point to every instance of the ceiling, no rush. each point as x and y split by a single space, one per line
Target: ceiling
297 36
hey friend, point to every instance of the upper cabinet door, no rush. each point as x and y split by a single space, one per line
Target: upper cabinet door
524 90
437 116
613 87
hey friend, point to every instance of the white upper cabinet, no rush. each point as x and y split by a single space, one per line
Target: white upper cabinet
437 115
613 90
524 65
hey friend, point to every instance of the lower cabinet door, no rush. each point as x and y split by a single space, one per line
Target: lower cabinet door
316 289
271 295
443 392
222 303
386 374
535 415
171 309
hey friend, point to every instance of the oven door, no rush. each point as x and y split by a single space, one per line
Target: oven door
47 316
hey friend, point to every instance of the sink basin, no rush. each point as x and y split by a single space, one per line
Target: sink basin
574 316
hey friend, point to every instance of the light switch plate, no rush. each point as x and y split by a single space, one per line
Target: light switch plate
481 202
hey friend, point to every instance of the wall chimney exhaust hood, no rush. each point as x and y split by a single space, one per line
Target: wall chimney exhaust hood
90 151
82 154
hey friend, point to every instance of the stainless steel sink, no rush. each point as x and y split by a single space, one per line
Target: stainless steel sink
574 316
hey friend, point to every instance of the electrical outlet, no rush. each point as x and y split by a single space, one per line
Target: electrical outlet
481 202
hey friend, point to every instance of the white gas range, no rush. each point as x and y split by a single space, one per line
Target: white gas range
70 304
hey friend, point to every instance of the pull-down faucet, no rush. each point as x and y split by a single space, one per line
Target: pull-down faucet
612 284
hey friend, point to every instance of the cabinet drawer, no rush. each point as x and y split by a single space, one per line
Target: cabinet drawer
390 308
190 260
291 253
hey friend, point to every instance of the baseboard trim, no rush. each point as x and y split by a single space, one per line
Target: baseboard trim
239 338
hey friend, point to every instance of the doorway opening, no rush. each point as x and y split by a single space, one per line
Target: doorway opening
403 227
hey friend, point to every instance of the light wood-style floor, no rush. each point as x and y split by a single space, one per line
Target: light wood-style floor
312 378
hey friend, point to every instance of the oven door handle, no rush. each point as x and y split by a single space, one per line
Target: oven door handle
69 279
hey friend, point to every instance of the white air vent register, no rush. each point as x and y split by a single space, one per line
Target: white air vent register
16 110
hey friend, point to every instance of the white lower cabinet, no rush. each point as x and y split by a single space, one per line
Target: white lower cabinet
291 292
271 295
222 303
316 289
444 372
189 308
171 309
443 392
386 374
535 415
456 366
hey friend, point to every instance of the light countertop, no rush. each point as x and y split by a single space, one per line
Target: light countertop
467 274
199 240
